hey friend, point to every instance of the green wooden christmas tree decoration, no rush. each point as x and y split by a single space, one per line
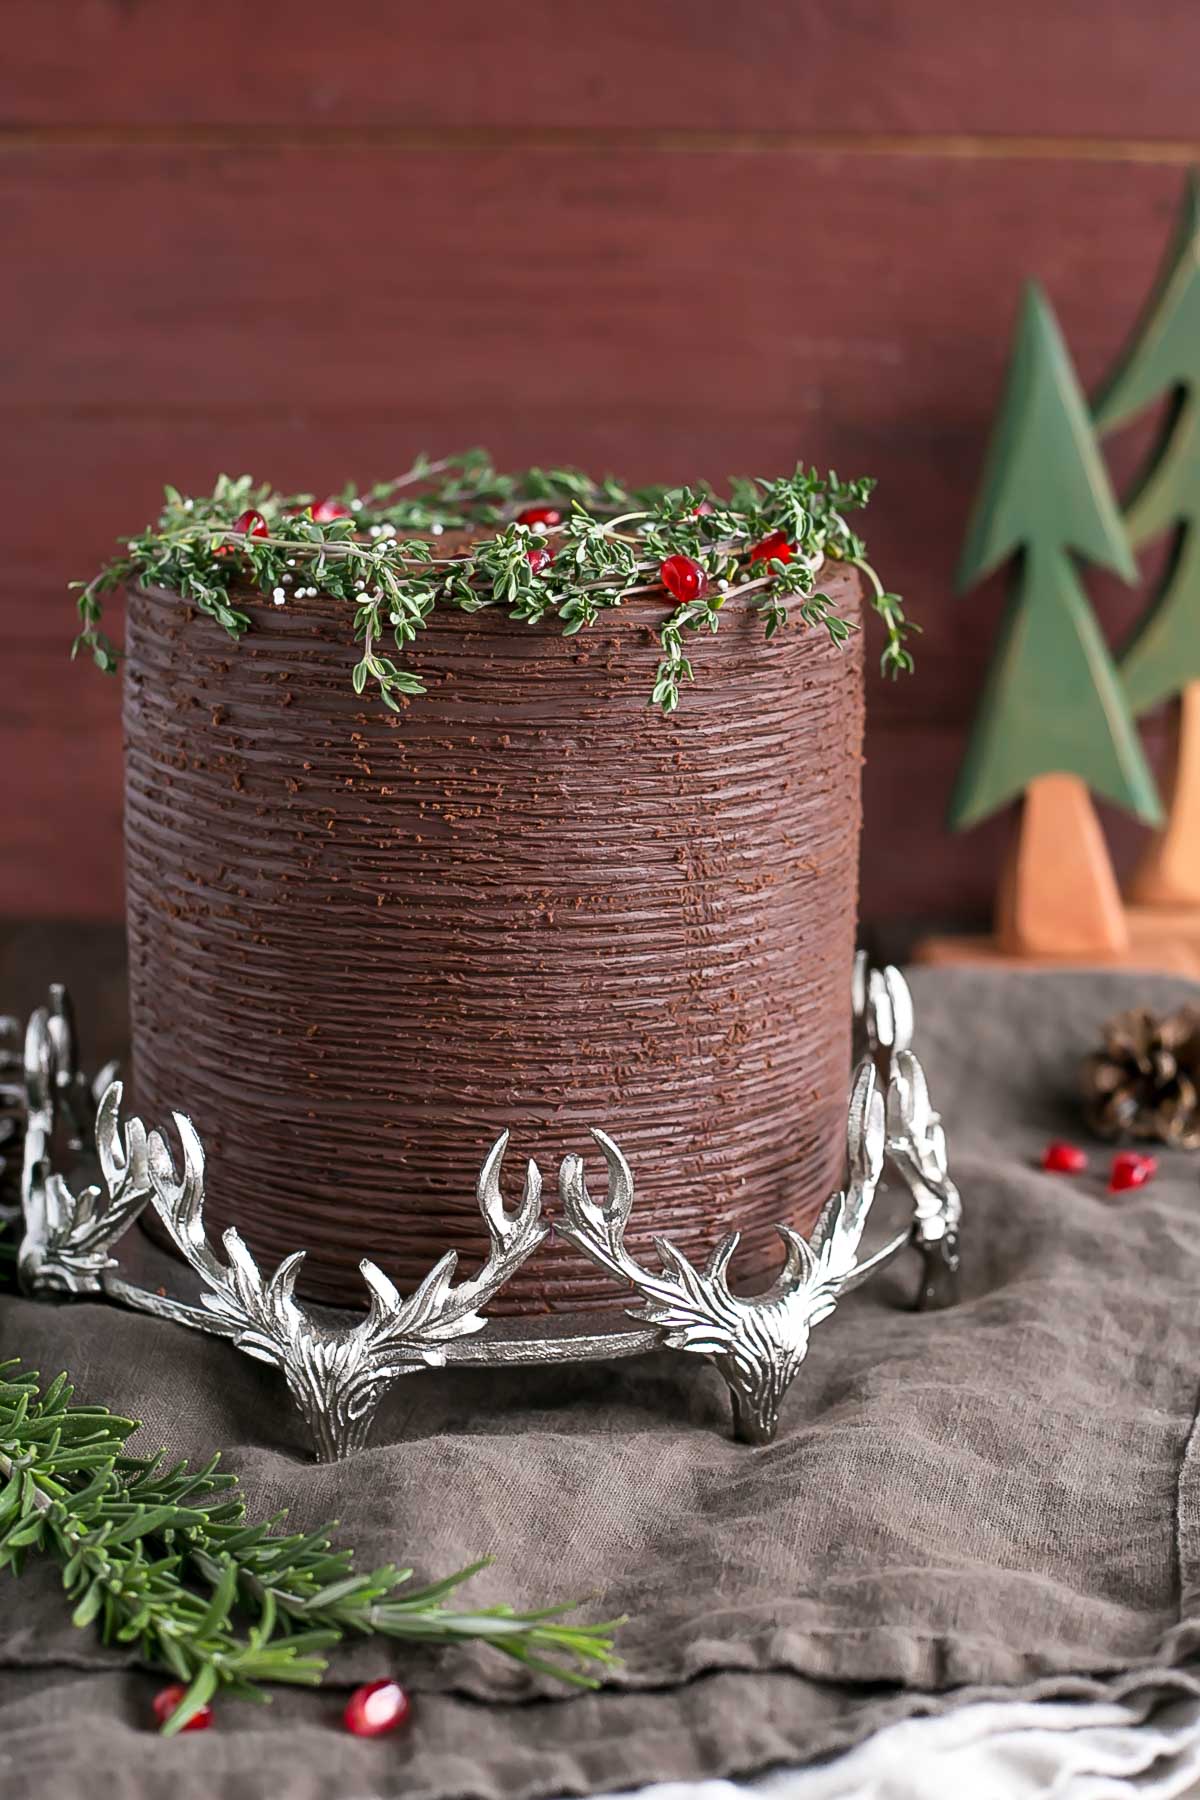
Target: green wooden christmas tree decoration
1162 659
1053 702
1054 720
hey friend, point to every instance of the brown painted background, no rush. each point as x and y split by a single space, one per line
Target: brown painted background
675 239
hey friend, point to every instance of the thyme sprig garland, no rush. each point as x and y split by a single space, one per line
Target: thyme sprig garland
164 1559
383 559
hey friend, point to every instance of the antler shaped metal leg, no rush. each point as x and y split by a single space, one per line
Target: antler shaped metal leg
759 1342
339 1368
42 1088
337 1374
917 1148
756 1342
916 1142
12 1119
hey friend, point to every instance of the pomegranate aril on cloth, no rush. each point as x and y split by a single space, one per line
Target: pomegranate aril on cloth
1064 1159
1131 1169
376 1709
168 1698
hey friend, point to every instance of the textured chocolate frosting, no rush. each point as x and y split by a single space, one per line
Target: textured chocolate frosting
363 944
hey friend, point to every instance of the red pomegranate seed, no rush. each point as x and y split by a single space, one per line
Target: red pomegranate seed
252 523
376 1709
684 578
539 515
773 548
1131 1169
329 510
538 560
1064 1159
168 1698
703 510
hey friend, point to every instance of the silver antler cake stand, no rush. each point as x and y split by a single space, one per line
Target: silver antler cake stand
338 1367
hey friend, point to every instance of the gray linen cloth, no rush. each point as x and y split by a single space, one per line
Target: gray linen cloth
998 1750
1005 1497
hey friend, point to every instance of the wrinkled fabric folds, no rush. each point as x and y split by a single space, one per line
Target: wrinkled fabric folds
1003 1498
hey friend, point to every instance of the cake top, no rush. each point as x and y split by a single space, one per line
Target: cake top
544 543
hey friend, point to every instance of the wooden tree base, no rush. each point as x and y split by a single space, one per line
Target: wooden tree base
1168 875
1165 957
1058 896
1150 926
1058 905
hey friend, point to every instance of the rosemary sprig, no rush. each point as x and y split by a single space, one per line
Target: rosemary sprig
383 559
163 1558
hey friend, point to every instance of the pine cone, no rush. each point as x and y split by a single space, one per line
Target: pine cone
1145 1080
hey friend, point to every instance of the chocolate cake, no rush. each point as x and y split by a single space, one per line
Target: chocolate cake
363 941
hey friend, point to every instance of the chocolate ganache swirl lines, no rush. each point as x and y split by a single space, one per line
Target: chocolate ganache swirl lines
363 944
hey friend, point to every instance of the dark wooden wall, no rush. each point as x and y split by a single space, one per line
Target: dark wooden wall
676 237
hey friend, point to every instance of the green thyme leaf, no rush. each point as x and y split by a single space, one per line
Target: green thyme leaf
385 562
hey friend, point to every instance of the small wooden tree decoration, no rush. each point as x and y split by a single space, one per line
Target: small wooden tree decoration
1162 660
1054 721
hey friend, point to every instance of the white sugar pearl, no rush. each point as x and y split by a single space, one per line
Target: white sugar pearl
279 596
